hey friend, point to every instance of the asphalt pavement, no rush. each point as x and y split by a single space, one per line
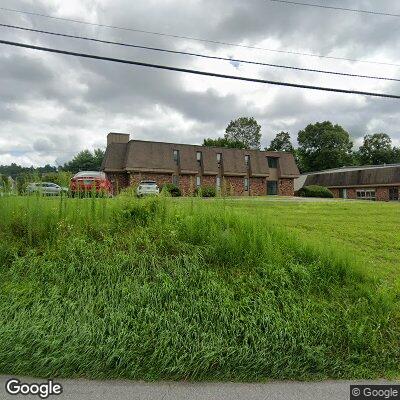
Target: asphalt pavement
123 390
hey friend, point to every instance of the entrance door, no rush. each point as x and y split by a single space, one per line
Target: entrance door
272 188
343 193
394 193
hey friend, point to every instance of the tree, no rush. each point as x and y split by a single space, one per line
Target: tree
245 130
323 145
377 149
85 161
281 142
222 142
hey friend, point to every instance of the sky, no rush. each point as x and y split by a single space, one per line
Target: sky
53 106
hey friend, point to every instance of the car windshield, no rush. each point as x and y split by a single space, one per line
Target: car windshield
148 183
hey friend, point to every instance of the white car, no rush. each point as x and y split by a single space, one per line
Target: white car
147 188
46 188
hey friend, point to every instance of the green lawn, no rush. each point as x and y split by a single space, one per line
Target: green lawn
369 230
223 289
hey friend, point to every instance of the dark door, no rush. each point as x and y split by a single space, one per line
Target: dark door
394 193
272 188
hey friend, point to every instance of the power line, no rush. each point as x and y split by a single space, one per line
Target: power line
198 39
198 54
298 3
197 72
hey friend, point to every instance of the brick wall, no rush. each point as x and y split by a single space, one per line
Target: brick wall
335 192
119 180
382 194
234 185
230 185
187 184
351 193
286 187
258 187
160 179
208 180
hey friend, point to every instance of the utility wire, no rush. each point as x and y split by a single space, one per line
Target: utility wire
197 39
298 3
197 72
198 54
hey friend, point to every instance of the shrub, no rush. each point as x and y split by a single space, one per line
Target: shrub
137 212
172 189
206 191
315 191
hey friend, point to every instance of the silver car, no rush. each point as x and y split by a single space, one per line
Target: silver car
147 188
46 188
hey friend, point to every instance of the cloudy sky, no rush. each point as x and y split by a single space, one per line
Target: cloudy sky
52 106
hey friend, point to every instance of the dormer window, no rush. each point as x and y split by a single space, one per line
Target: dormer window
176 157
272 162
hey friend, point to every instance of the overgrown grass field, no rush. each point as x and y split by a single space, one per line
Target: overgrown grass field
199 289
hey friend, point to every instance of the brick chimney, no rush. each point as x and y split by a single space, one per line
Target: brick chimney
114 137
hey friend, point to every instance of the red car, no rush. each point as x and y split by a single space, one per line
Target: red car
88 182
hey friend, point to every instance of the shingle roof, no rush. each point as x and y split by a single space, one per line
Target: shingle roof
114 158
356 177
140 156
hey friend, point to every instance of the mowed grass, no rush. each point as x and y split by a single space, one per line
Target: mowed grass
192 289
368 230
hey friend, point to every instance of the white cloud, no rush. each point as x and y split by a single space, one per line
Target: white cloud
52 106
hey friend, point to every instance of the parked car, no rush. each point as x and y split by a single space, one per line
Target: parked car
90 182
147 188
46 188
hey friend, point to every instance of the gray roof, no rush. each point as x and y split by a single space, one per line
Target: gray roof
356 176
144 156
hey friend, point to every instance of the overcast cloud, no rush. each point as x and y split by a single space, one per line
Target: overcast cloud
52 106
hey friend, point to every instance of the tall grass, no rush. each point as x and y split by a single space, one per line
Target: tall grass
164 289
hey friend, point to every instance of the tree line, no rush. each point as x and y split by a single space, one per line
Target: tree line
321 146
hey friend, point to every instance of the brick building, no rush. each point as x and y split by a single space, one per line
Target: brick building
372 182
237 172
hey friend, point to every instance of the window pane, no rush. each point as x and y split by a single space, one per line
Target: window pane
176 156
272 188
272 162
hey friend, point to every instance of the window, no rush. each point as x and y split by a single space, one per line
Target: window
218 182
175 180
246 184
366 194
394 193
176 157
343 193
272 188
198 156
272 162
198 181
219 159
247 159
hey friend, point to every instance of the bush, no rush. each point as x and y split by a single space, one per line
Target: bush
315 191
172 189
206 191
